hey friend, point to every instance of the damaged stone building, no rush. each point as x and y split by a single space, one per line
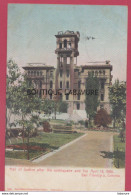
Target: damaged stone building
68 75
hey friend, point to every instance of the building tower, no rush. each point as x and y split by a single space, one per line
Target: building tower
70 77
67 52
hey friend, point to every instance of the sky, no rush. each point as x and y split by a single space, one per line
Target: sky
32 29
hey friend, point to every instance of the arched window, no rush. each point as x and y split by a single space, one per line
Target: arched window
34 73
29 73
65 43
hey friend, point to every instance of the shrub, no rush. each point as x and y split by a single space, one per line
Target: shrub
102 118
47 127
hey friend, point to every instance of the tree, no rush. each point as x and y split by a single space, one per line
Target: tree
91 100
102 118
12 83
55 105
47 106
29 107
18 102
63 106
117 96
56 100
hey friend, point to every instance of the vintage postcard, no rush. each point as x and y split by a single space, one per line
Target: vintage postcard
66 97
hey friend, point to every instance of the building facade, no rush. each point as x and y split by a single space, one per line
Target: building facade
68 78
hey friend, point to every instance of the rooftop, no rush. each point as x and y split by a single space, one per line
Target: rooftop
68 33
96 63
37 65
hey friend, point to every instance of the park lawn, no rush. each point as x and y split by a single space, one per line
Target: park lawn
120 154
22 154
47 141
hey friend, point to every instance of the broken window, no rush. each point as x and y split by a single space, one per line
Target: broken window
79 84
61 84
67 84
40 84
67 73
102 97
51 73
100 72
78 106
37 73
60 45
102 85
61 73
69 45
78 97
67 97
65 43
51 84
